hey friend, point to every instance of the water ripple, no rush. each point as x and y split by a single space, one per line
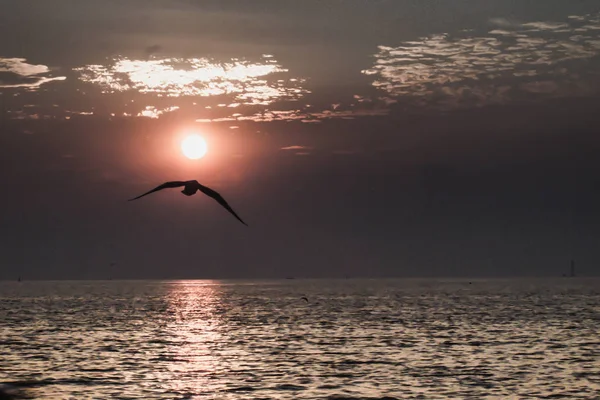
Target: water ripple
354 339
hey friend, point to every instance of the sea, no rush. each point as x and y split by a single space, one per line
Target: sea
526 338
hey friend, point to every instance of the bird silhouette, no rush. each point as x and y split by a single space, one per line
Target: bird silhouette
304 298
190 189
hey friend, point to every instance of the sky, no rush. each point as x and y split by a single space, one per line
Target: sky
380 138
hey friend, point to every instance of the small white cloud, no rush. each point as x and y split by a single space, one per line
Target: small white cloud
504 23
545 26
153 112
296 148
17 73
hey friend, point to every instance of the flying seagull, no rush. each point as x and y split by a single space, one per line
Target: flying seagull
190 188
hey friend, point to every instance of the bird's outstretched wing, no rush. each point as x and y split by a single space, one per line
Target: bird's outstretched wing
166 185
211 193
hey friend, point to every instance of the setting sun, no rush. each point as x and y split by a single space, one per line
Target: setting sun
194 147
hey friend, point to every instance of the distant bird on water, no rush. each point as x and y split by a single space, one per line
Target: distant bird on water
190 188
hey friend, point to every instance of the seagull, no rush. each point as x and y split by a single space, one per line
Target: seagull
190 188
304 298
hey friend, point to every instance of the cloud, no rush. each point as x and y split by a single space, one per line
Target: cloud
305 116
296 147
465 70
248 82
153 112
240 84
546 26
17 73
504 23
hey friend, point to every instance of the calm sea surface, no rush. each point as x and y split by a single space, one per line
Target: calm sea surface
353 339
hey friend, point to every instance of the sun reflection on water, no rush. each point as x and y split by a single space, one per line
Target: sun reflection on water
177 77
196 332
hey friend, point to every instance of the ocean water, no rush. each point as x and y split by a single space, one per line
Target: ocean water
353 339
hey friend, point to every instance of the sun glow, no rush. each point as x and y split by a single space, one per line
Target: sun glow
194 147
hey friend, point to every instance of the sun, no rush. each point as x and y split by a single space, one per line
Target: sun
194 147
